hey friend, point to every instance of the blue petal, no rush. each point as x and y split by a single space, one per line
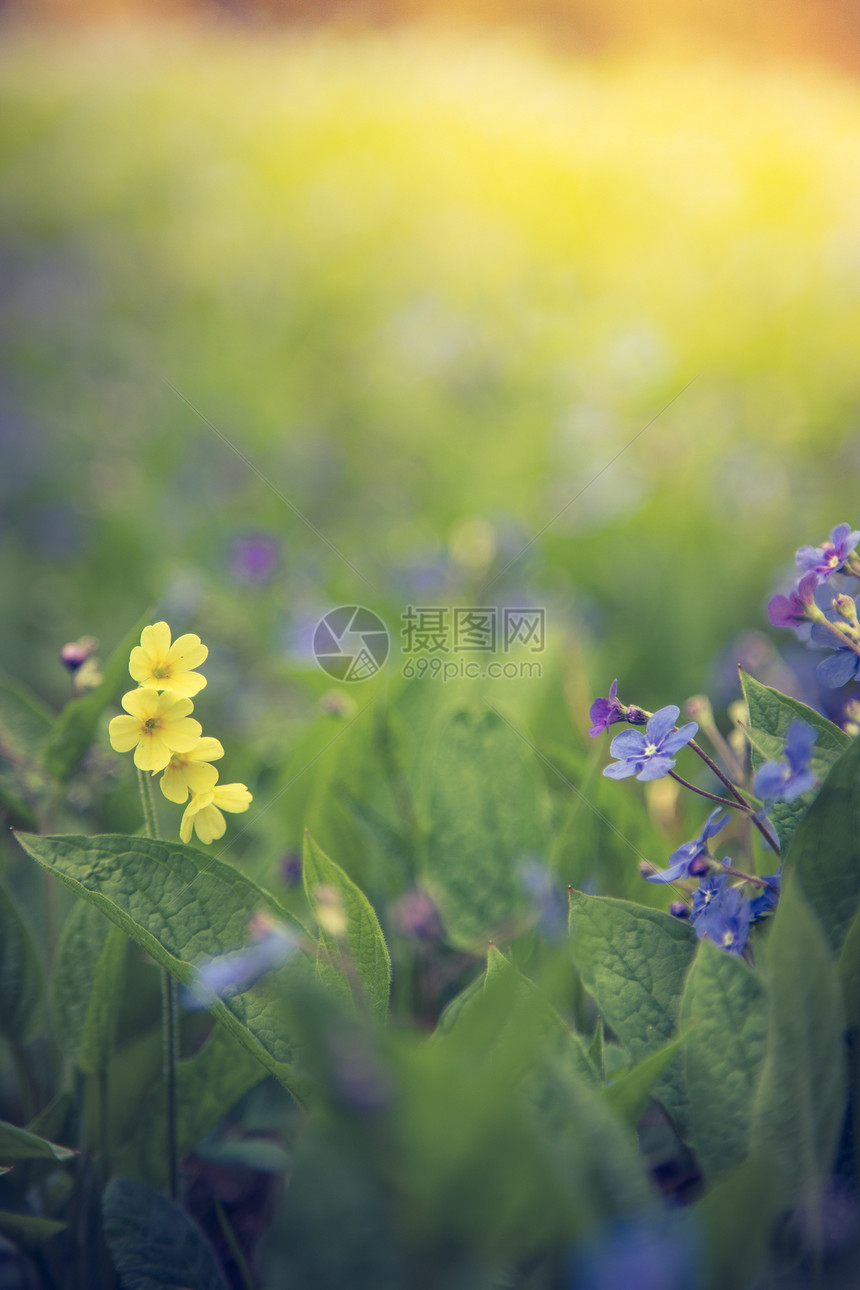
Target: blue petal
799 742
656 767
620 770
822 637
676 739
770 780
800 782
661 723
713 825
669 875
807 557
630 743
837 669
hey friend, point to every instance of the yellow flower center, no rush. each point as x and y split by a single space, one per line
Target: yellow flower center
151 723
160 672
650 750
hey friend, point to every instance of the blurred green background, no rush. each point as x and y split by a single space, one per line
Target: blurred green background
303 316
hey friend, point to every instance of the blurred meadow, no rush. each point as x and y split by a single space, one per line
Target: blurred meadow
418 315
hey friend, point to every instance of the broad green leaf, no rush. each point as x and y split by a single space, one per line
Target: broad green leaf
76 725
596 1051
633 961
27 1230
825 851
726 1004
153 1245
735 1216
207 1086
19 1144
482 790
365 943
183 907
629 1093
849 972
21 978
771 714
799 1103
86 984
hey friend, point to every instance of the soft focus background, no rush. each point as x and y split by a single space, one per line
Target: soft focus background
306 306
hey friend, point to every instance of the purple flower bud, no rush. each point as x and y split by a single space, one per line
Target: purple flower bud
291 869
679 909
415 916
76 653
253 558
606 712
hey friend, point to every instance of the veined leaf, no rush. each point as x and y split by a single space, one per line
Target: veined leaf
19 1144
771 714
365 942
183 907
153 1244
86 985
727 1004
629 1093
21 978
799 1103
633 960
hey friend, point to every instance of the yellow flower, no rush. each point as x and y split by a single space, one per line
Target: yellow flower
158 726
202 811
158 665
191 770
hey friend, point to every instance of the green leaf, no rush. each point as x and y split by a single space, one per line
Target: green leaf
824 853
726 1003
28 1231
19 1144
799 1103
21 978
153 1245
365 943
771 714
633 961
735 1216
483 794
24 721
183 907
76 725
849 973
207 1086
595 1051
628 1095
86 985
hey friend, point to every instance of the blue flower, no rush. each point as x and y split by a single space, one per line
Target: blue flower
722 913
233 973
830 556
650 755
796 607
606 712
841 666
767 902
688 861
788 779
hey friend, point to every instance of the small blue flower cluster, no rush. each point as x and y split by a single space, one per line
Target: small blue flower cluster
816 599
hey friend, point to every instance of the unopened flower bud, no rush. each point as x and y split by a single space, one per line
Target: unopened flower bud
636 716
846 609
678 909
76 653
698 708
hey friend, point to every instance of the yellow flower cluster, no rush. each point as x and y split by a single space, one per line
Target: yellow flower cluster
166 738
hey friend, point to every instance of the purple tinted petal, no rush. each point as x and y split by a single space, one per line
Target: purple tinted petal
713 825
656 767
669 875
620 770
807 557
684 854
840 535
806 588
822 637
799 743
801 782
770 780
782 612
837 669
630 743
661 723
613 691
676 739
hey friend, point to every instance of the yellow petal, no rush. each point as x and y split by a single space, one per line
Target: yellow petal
140 667
232 797
142 704
152 753
187 653
208 749
179 736
170 707
124 733
210 824
200 777
174 785
183 683
186 826
156 640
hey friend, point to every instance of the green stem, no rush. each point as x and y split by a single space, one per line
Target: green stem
235 1248
724 801
737 795
169 1016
